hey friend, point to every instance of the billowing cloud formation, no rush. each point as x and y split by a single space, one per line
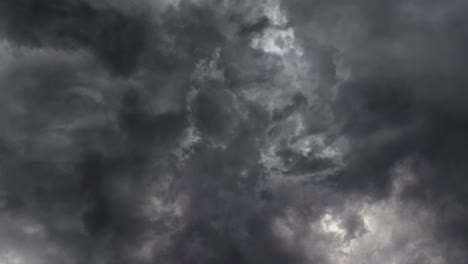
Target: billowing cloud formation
203 131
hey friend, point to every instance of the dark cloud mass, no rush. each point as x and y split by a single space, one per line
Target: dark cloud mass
233 132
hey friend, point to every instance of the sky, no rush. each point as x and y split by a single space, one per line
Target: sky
233 132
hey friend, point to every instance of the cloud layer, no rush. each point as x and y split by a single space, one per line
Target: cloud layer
246 132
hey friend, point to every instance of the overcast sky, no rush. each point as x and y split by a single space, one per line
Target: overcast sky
233 132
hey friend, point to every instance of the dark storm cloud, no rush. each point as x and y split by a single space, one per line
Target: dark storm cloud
256 27
405 63
404 95
117 39
95 109
192 133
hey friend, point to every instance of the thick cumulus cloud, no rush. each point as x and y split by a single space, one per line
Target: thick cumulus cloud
400 77
203 131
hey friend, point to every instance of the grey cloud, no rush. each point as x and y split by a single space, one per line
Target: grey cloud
115 38
232 132
401 95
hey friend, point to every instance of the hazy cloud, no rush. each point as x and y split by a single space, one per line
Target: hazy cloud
205 131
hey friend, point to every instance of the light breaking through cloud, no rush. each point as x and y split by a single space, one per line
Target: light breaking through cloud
233 132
